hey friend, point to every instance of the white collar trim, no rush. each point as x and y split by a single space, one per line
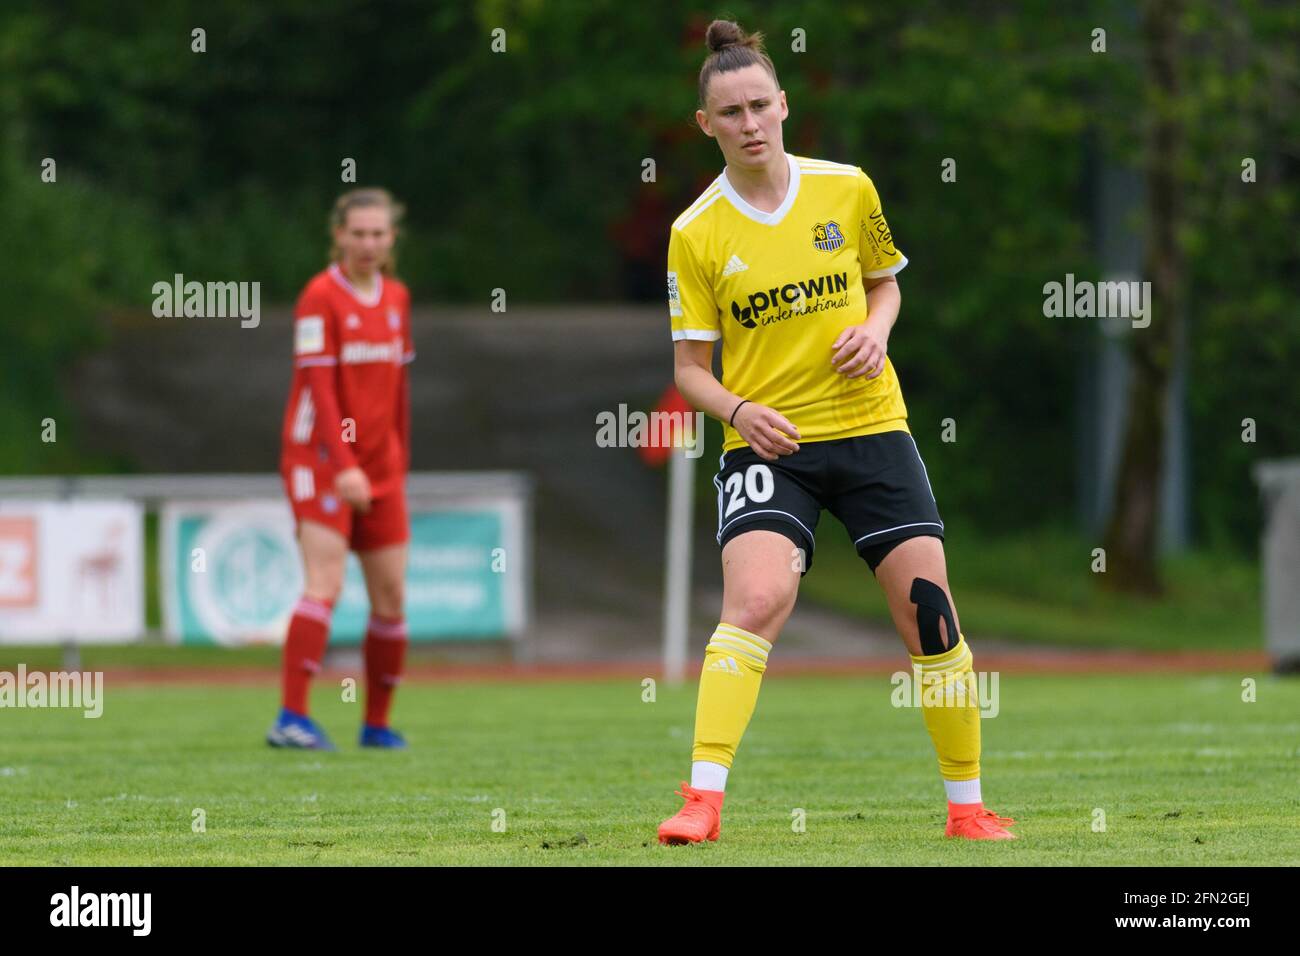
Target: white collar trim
766 218
337 275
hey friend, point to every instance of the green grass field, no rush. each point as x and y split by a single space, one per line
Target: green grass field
1185 772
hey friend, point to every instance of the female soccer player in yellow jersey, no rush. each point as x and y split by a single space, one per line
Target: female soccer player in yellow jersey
789 261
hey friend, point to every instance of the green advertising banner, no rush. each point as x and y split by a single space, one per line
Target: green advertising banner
232 573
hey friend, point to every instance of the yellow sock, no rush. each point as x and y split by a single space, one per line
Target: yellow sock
734 663
951 712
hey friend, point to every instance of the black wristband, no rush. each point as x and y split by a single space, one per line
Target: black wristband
732 420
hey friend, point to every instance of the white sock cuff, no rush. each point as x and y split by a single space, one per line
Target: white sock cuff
707 775
963 791
735 640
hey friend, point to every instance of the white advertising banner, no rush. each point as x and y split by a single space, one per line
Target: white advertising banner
71 571
231 572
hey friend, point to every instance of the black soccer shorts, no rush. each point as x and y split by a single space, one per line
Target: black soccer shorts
876 485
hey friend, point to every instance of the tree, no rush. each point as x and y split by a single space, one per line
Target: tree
1131 531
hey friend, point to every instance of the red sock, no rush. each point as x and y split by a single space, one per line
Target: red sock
385 650
309 631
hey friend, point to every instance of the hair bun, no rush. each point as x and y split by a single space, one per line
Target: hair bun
722 34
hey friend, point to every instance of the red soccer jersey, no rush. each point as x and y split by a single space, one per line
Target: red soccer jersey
350 356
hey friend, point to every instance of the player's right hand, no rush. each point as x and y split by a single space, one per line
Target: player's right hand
353 486
762 429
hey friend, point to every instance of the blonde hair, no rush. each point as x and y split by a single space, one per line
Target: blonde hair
731 48
357 199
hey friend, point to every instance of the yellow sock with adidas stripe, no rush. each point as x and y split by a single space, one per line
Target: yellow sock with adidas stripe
950 706
734 662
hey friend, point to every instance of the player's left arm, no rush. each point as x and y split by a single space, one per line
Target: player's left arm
404 388
861 349
404 418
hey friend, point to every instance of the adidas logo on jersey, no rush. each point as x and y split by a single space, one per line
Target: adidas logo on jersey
727 665
733 266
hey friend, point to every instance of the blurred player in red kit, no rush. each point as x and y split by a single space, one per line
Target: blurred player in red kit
346 451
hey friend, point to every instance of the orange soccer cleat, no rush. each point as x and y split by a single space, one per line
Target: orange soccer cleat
699 819
972 821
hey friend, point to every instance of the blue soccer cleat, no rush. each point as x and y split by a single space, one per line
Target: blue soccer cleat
297 731
382 737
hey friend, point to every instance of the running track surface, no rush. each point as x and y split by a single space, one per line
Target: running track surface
1027 662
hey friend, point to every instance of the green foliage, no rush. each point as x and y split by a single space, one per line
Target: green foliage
1243 258
73 251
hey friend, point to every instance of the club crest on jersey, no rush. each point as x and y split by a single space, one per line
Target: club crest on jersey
394 320
827 236
353 321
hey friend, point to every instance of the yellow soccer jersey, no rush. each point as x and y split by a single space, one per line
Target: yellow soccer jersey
779 287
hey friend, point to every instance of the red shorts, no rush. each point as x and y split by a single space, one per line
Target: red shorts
311 495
